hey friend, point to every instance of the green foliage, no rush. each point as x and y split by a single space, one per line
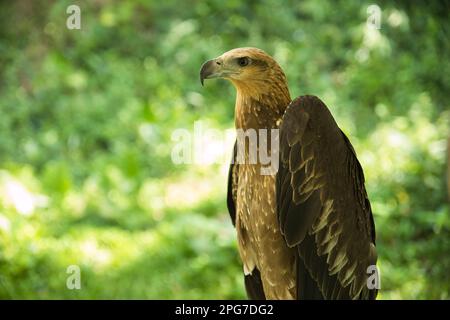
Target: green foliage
86 118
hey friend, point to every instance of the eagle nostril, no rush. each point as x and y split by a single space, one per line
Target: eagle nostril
218 62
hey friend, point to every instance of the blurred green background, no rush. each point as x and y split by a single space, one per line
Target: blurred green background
87 116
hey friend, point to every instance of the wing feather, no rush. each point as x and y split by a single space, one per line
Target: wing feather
322 203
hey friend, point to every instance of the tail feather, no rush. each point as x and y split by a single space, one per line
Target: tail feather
253 286
307 287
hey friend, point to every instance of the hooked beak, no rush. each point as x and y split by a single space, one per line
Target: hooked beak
210 69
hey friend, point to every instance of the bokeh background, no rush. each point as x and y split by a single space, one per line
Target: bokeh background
86 124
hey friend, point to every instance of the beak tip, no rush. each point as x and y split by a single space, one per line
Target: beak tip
206 70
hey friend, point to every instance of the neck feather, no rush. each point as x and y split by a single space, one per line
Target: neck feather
261 104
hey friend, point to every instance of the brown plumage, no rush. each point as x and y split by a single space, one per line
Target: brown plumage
307 231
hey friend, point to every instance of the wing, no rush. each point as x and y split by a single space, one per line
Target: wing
322 204
253 284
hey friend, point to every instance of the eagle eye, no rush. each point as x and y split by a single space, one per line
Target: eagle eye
243 61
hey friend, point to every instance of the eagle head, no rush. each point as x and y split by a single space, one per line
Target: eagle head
251 70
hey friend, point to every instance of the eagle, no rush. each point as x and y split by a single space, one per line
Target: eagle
304 230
